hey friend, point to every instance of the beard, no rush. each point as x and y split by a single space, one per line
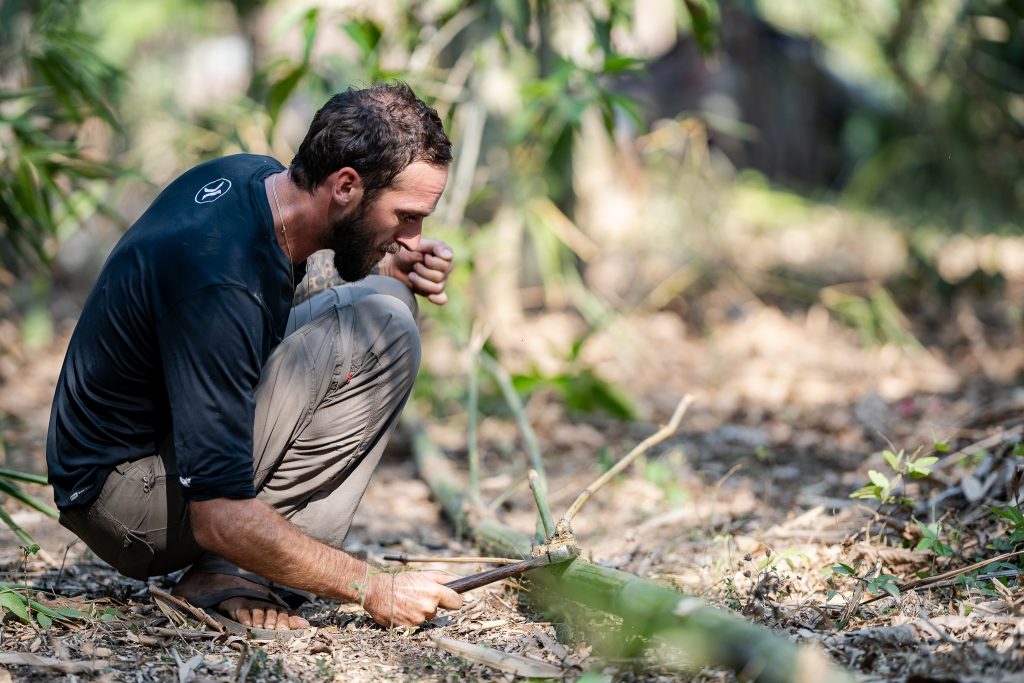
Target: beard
356 250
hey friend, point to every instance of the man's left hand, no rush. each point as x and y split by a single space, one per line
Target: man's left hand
424 271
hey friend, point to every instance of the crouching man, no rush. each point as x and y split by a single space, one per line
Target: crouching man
200 420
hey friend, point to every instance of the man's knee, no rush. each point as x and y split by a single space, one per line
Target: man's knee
391 287
385 328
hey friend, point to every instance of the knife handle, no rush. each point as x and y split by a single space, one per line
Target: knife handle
468 583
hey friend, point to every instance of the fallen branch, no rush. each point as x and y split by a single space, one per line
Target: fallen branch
66 667
711 637
518 665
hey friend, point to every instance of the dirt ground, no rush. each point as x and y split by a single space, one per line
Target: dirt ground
748 508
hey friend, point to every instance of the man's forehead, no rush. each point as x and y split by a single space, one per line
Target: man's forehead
421 176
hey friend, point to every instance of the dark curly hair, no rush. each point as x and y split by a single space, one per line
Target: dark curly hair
377 131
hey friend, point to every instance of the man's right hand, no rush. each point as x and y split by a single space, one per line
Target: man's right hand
408 598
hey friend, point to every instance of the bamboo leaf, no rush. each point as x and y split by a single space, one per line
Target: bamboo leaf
13 603
15 492
26 477
31 547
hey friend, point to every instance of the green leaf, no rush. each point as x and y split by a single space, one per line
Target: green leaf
365 34
30 546
703 24
843 568
15 492
941 447
892 459
282 89
15 604
921 467
44 621
616 64
869 491
26 477
878 479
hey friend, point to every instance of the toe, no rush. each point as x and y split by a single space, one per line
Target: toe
295 621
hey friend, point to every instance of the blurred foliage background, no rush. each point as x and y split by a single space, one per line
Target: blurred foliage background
613 157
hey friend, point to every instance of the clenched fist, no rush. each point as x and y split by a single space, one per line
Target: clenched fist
408 598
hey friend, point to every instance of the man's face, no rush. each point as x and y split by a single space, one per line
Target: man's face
389 222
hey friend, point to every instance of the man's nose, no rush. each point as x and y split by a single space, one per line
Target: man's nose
409 236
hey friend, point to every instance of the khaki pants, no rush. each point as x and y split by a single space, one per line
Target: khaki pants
328 400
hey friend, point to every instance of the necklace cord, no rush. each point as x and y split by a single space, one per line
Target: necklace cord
284 230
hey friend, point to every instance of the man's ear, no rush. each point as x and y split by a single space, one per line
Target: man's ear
346 187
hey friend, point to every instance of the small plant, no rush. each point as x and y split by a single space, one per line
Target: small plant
931 541
1012 515
886 583
16 601
883 489
9 480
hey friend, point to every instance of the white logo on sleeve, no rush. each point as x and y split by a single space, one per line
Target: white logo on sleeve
213 190
185 481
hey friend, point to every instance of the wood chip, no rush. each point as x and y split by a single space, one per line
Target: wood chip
502 661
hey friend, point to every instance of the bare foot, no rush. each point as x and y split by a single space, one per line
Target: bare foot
250 612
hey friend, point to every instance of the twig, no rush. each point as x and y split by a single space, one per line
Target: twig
984 444
506 494
542 504
645 445
190 609
516 404
403 558
917 584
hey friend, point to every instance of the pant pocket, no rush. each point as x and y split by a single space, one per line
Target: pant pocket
129 552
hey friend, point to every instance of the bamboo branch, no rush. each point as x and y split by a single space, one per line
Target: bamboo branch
668 430
506 494
543 509
516 404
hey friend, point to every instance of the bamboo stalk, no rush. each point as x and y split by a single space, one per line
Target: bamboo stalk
668 430
15 491
543 509
472 442
516 404
710 637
